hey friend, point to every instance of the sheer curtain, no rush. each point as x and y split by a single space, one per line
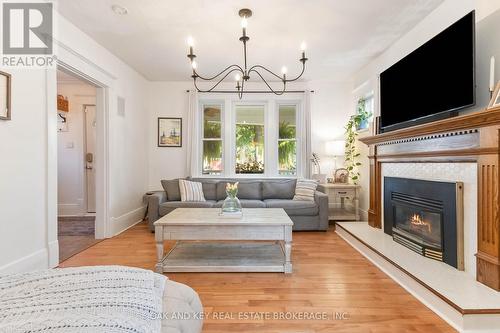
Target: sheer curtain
192 136
305 130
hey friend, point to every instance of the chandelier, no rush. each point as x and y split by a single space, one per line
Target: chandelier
242 74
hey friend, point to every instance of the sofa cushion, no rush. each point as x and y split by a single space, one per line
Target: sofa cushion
191 191
278 189
304 190
209 187
294 207
245 203
172 188
169 206
246 189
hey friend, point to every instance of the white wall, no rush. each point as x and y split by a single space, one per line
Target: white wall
330 109
487 26
71 149
23 195
28 185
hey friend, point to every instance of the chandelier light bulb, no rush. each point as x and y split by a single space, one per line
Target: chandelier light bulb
237 77
194 65
284 70
244 23
303 46
190 41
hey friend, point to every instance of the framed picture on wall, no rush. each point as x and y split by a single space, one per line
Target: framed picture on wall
5 111
495 99
169 132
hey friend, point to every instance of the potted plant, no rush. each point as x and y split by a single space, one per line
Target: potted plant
351 133
362 116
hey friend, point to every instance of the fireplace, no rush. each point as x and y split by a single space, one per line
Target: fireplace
426 217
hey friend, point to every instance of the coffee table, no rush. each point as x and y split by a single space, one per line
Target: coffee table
260 241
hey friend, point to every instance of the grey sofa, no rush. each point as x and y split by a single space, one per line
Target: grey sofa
253 193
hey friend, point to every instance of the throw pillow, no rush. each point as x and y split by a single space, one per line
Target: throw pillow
191 191
304 190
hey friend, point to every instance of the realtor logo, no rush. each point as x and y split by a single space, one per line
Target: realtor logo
27 28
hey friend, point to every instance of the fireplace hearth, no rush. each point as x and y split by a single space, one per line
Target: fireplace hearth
426 217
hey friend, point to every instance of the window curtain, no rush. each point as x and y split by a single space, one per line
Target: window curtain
305 130
192 135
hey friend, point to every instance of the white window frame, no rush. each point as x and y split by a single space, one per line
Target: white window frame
201 108
298 152
271 105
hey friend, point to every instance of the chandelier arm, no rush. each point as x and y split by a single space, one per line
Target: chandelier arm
215 86
240 93
267 84
302 72
264 68
222 72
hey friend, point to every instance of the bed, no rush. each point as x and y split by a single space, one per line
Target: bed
97 299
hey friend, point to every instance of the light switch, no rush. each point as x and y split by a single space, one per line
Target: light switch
70 145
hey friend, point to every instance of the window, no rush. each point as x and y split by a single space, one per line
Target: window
249 134
367 105
287 140
212 140
261 137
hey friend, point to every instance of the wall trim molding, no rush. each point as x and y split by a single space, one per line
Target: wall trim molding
121 223
85 60
34 261
53 254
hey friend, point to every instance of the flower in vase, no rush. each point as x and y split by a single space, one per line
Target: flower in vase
232 189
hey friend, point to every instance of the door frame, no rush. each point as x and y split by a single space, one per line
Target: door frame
102 227
85 187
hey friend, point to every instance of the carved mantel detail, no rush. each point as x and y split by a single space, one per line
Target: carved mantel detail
469 138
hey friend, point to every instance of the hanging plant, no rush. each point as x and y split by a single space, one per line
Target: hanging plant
351 152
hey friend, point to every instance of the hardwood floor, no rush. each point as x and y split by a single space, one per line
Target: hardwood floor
328 276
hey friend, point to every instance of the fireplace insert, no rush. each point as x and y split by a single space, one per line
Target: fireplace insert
426 216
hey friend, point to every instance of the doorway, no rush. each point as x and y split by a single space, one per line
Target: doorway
90 141
76 168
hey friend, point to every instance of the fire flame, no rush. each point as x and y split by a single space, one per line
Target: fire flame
417 220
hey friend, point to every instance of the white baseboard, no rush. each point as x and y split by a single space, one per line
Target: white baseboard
70 209
122 223
34 261
53 254
363 215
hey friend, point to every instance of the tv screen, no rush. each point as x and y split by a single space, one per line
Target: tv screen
432 82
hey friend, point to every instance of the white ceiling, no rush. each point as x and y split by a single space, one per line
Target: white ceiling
342 35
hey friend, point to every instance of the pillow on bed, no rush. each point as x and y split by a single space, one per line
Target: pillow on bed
191 191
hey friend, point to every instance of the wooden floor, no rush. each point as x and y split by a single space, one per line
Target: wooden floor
329 277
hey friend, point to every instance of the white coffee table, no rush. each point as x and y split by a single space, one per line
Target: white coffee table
261 241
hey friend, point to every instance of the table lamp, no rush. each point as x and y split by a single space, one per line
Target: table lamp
335 148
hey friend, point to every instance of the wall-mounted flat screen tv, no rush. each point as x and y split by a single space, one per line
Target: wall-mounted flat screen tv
433 82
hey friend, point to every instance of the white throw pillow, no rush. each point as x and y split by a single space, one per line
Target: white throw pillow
191 191
304 190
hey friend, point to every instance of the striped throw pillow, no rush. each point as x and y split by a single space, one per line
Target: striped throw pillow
191 191
304 190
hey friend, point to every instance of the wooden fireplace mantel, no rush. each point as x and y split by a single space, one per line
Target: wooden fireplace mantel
473 137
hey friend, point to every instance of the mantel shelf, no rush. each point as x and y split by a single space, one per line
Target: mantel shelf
469 121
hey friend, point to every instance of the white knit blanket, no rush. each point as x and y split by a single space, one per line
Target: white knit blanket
84 299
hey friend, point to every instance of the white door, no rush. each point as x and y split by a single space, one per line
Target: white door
90 142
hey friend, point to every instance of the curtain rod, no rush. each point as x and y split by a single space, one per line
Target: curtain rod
250 91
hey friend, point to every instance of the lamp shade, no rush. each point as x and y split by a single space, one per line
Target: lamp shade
335 148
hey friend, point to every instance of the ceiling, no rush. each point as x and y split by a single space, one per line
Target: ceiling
341 35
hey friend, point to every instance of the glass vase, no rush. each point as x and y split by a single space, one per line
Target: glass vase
231 204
